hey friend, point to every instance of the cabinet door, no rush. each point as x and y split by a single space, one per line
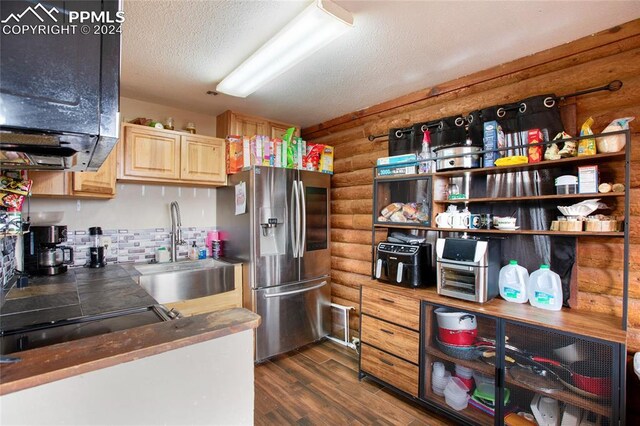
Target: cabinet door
278 129
393 370
450 337
150 153
100 183
50 183
202 159
245 125
392 307
573 374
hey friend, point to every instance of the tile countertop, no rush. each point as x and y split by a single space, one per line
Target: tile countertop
78 292
81 292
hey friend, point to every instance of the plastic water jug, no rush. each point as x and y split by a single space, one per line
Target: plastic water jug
513 280
545 289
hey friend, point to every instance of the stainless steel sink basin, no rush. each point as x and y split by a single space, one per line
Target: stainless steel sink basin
173 282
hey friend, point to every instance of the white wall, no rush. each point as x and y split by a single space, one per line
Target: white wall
142 206
135 207
209 383
133 108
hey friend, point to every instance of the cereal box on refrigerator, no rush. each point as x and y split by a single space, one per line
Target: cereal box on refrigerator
326 159
235 156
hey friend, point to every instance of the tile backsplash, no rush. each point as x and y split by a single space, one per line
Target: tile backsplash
134 245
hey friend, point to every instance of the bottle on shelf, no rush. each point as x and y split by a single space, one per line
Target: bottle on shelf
545 289
426 156
512 282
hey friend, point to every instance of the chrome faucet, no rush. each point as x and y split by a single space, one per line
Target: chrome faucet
176 232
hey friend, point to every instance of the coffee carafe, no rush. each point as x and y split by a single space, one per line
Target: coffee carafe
96 251
43 254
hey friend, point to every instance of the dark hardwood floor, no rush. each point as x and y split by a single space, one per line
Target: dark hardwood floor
318 385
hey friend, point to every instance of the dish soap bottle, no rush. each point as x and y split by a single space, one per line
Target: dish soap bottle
512 281
545 289
193 252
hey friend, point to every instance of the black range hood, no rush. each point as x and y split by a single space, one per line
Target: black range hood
59 93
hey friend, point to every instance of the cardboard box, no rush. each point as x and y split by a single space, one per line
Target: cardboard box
277 162
326 159
534 153
493 138
588 180
246 151
396 170
397 159
235 155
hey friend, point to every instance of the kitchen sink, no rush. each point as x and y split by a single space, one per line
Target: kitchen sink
173 282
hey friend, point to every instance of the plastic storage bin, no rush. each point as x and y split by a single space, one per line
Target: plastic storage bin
567 184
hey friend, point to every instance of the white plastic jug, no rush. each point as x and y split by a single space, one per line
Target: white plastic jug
545 289
513 281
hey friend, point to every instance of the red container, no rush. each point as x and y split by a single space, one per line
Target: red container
595 382
458 337
467 382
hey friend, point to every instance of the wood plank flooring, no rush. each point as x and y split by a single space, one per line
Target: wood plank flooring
318 385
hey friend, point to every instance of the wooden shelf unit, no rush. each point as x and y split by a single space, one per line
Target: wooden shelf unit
531 198
499 231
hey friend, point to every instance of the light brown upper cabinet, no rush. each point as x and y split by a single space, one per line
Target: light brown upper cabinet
233 123
152 155
202 159
100 184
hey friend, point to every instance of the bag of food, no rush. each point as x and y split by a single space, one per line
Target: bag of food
614 143
569 149
15 186
587 146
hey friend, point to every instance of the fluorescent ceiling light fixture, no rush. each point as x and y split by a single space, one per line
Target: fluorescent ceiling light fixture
319 24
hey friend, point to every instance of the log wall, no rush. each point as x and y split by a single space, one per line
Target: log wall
589 62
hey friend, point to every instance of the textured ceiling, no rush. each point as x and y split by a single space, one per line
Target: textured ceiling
174 51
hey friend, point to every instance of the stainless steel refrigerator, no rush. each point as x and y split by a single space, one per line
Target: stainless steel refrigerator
277 222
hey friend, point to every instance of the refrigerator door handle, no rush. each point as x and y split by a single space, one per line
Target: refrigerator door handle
303 203
292 219
302 290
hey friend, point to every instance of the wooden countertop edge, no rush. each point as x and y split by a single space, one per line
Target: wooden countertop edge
56 362
574 321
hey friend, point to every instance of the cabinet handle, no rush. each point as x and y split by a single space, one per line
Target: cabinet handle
386 331
390 364
387 300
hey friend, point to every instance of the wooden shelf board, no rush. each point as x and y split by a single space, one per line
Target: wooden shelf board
412 176
561 395
474 415
498 231
589 324
534 166
530 198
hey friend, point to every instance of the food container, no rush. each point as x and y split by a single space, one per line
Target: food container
458 337
453 320
468 161
455 394
570 225
567 184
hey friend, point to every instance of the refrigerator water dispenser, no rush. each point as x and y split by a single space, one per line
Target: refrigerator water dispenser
272 237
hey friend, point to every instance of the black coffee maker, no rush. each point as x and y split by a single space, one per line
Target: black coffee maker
96 251
43 254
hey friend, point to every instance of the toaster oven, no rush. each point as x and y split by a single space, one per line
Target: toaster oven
403 264
468 269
